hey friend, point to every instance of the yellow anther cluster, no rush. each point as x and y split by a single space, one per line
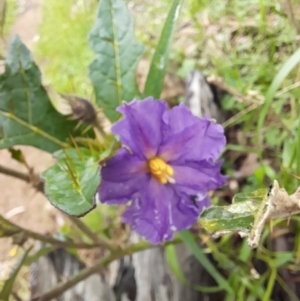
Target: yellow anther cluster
161 170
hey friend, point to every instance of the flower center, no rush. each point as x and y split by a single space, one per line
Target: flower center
161 170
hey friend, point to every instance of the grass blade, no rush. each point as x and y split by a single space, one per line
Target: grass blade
189 240
8 285
288 66
155 78
175 268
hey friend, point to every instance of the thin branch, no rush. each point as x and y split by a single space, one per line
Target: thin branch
10 229
33 179
14 173
38 184
103 241
83 228
239 115
101 263
83 274
250 99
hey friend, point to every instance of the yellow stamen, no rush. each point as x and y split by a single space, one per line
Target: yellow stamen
161 170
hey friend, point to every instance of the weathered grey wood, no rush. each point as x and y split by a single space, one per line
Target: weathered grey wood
60 265
201 98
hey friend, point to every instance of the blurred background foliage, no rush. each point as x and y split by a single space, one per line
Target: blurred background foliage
243 42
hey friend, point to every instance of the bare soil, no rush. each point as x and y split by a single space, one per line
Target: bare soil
20 202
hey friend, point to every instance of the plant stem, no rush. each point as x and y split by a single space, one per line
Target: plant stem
38 184
97 240
14 173
7 228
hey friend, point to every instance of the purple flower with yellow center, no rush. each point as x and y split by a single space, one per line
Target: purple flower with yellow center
166 168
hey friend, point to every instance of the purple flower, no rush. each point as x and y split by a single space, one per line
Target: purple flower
166 168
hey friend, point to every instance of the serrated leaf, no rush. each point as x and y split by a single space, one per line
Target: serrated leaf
72 182
8 285
26 114
155 79
113 71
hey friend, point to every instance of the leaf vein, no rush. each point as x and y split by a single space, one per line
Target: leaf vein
33 128
117 56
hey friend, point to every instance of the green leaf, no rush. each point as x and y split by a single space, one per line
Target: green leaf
17 155
282 258
215 219
113 71
8 285
155 79
26 114
239 216
72 182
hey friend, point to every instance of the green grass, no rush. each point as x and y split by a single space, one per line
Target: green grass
8 13
10 16
63 49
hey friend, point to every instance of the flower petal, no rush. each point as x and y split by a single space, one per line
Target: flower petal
187 209
142 221
122 176
199 176
141 127
190 138
180 145
179 118
159 210
148 213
